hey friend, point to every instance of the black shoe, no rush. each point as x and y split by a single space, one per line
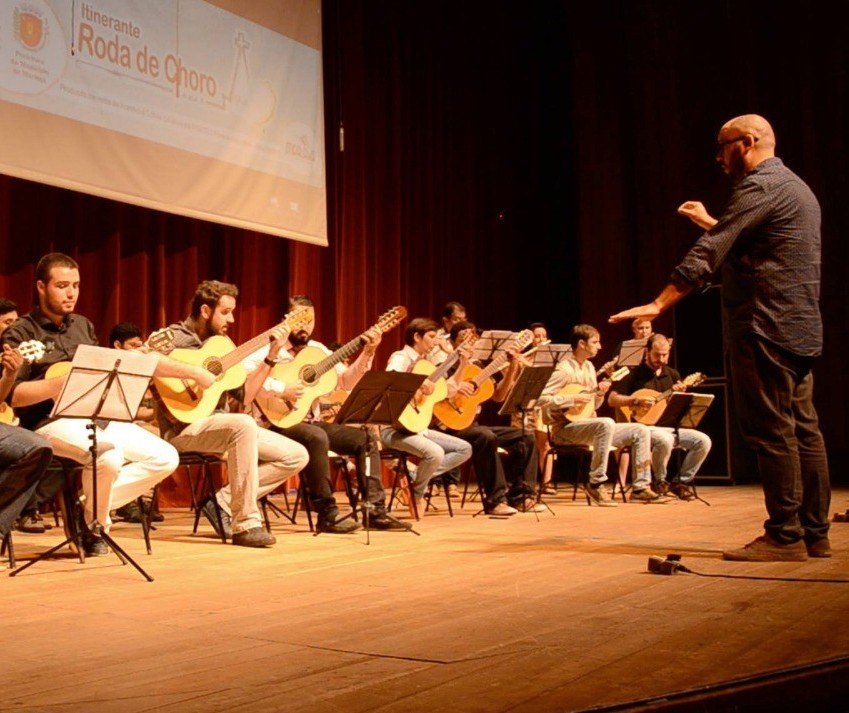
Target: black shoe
131 512
255 537
330 525
209 510
384 522
94 545
32 523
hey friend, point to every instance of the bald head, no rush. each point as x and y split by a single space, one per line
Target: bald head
743 143
755 125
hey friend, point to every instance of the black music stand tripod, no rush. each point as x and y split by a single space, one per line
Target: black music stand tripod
684 411
95 391
522 398
377 400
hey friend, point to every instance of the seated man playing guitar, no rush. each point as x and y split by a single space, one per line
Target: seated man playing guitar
288 383
599 432
257 459
439 452
654 373
521 461
130 459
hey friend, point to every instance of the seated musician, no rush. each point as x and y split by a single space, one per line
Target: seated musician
257 459
319 436
452 313
24 456
642 328
130 460
521 462
599 432
439 452
656 374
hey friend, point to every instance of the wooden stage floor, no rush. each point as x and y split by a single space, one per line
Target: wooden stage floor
477 614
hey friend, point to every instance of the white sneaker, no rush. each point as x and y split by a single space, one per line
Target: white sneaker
502 509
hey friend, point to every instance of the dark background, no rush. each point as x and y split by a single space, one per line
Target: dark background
524 158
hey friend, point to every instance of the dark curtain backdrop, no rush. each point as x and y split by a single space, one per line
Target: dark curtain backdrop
525 159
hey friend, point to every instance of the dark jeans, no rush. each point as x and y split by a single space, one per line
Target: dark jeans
520 473
24 457
318 439
774 390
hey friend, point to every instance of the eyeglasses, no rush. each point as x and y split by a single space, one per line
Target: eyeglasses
722 144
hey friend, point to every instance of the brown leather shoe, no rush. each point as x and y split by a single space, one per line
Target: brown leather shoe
765 549
819 548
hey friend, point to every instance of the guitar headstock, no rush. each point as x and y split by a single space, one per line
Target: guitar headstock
162 340
298 318
694 379
522 340
31 350
391 318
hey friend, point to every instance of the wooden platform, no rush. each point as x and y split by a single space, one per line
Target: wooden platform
521 614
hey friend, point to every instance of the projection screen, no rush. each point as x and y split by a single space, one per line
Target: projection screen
207 109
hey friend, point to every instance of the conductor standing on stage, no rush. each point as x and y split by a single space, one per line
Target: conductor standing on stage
767 242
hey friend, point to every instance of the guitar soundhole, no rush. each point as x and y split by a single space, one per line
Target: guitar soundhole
308 375
213 366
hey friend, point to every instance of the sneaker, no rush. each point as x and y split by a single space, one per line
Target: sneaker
819 548
208 509
453 491
549 489
32 523
765 549
600 496
94 545
682 491
332 526
502 509
646 495
255 537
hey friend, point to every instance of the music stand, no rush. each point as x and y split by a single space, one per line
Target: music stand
522 398
490 343
551 354
685 411
103 384
378 399
630 352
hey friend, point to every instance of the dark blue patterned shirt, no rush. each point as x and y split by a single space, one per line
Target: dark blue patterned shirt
767 242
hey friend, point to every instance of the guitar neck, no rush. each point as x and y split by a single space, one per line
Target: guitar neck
495 365
443 368
243 351
342 353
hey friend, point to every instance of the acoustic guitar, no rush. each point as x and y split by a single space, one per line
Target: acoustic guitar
581 412
314 370
188 402
418 413
654 402
31 351
459 411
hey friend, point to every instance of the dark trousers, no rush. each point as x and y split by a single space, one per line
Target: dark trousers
24 457
773 390
514 482
318 439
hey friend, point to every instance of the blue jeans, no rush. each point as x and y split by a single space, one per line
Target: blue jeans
24 458
438 452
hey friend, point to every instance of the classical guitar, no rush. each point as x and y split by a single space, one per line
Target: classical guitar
314 370
653 403
186 401
31 351
459 411
581 412
418 413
